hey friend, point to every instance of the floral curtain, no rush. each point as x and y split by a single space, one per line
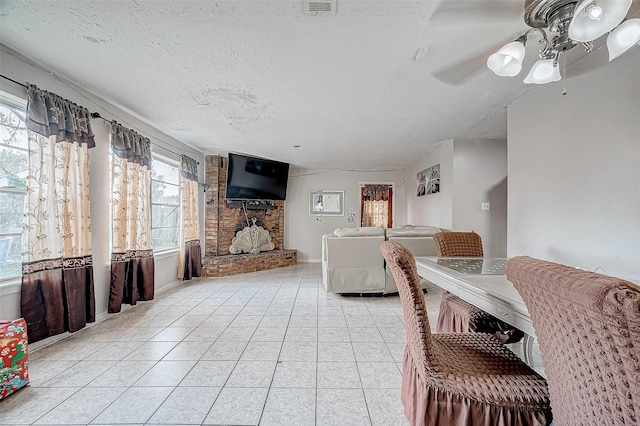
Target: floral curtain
189 260
57 292
376 205
132 264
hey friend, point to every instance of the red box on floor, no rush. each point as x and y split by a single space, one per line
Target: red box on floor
14 356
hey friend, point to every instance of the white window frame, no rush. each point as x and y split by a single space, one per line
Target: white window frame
172 163
14 102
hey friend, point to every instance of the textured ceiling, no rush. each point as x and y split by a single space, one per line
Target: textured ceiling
367 88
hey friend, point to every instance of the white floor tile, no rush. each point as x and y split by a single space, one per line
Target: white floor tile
188 351
285 407
338 375
166 373
123 374
209 373
341 407
237 406
385 407
136 405
379 375
186 406
252 374
151 351
82 407
299 351
261 351
30 403
225 351
293 374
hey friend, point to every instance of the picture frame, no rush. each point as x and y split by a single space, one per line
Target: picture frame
325 202
428 181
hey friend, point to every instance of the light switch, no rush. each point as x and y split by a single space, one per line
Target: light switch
486 206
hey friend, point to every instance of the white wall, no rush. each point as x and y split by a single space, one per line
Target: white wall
304 232
472 171
480 176
432 209
574 170
11 65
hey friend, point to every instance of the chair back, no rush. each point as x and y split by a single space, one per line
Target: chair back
588 327
454 244
416 321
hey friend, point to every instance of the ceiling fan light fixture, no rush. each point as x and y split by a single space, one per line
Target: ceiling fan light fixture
623 38
544 71
593 18
507 62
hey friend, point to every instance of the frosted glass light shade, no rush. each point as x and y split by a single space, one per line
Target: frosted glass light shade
507 61
623 38
543 72
587 26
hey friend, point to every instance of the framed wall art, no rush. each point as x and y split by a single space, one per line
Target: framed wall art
326 202
428 181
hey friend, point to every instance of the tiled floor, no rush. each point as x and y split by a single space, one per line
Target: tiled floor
268 348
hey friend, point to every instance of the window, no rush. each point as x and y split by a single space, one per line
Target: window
376 205
165 204
14 160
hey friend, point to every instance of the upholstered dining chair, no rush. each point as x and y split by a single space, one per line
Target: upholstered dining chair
459 379
588 328
456 315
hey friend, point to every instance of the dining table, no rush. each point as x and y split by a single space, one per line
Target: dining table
481 281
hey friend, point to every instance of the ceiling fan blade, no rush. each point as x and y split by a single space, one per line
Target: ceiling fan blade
480 12
462 70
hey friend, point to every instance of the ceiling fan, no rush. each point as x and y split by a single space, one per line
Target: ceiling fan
561 25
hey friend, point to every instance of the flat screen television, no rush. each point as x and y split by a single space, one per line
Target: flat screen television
251 178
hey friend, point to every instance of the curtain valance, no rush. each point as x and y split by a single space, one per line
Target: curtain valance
376 192
129 145
189 168
50 115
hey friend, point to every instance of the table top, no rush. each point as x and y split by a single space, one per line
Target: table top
473 265
480 281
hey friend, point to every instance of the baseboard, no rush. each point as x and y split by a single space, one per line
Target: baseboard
169 286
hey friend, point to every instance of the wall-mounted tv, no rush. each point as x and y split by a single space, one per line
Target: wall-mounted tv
251 178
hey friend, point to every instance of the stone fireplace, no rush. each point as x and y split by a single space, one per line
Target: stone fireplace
223 220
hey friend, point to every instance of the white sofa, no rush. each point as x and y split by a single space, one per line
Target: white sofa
351 259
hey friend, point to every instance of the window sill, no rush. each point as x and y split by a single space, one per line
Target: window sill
10 286
166 254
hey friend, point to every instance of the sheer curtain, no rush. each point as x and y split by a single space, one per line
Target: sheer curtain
189 260
57 269
376 205
132 264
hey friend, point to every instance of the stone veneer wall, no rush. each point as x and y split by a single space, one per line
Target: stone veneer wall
222 223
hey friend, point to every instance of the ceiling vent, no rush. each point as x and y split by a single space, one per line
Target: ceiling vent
319 7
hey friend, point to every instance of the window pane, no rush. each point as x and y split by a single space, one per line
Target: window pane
13 167
165 238
10 257
162 216
165 172
12 129
11 212
162 193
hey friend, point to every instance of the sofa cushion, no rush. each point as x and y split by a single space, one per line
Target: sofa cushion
370 231
413 231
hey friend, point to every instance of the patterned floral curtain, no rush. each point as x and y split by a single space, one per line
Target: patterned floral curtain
132 264
376 205
189 260
57 271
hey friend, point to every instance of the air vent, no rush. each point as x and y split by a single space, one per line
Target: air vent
319 7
